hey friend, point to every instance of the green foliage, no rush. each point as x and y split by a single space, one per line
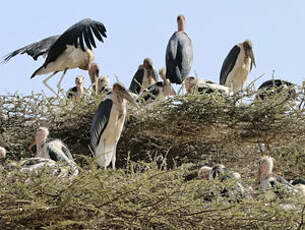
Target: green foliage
159 147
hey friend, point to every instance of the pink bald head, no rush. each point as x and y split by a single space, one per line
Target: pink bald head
189 83
41 136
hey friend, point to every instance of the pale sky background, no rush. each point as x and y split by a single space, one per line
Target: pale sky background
139 29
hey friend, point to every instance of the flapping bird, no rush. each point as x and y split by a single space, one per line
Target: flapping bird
107 125
72 49
179 54
237 66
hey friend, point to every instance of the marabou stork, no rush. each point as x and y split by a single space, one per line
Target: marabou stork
93 74
157 92
77 92
267 180
221 174
145 76
107 125
299 184
179 54
55 150
65 51
237 66
104 86
194 85
273 87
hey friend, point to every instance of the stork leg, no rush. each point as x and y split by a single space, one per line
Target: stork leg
60 80
114 157
46 84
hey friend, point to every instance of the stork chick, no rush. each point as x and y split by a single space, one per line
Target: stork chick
55 150
77 92
107 125
194 85
266 179
104 86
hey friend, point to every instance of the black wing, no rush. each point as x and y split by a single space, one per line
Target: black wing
99 123
76 35
179 57
71 92
67 152
35 49
298 181
228 64
136 82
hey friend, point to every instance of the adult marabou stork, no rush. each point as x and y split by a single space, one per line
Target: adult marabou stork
179 54
145 76
107 125
195 85
275 86
237 65
55 150
78 91
65 51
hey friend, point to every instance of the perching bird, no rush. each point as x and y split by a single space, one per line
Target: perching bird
195 85
107 125
266 179
77 92
103 85
157 92
220 173
275 86
55 150
145 76
65 51
237 66
179 54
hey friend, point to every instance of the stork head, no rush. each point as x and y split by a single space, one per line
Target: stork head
2 153
40 137
248 47
120 90
265 168
93 72
181 22
148 63
103 82
203 172
79 81
162 73
189 83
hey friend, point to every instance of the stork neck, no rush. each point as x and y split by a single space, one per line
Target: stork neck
181 26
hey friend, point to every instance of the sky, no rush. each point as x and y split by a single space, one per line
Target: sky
139 29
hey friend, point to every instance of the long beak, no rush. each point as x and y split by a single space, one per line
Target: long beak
128 97
251 55
32 145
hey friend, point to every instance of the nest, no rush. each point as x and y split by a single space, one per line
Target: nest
158 147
